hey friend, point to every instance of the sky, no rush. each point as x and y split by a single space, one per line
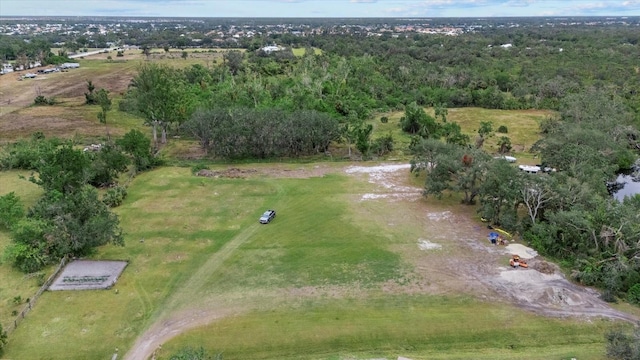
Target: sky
320 8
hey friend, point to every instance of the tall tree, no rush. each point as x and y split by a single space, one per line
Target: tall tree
162 97
450 167
485 131
102 98
64 170
499 195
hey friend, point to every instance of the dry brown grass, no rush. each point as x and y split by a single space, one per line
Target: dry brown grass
70 117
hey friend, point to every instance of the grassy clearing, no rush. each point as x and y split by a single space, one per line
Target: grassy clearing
186 220
311 243
523 126
300 51
418 327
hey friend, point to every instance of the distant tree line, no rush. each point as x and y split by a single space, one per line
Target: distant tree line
16 51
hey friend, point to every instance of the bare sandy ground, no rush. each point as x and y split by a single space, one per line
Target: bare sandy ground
477 267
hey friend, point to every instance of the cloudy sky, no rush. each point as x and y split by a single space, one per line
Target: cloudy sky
320 8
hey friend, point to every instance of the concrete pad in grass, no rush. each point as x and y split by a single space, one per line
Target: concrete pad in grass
88 275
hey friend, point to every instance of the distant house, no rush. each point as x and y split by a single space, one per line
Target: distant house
270 48
6 68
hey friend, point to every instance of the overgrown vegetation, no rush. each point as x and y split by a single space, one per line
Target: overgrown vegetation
69 219
567 213
3 340
190 353
623 346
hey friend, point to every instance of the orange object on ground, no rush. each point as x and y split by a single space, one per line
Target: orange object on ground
516 262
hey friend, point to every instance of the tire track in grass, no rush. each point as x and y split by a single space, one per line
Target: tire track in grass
170 321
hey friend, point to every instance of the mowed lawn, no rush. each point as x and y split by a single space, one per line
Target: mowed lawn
386 327
174 221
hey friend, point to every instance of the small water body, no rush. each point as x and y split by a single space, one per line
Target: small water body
627 184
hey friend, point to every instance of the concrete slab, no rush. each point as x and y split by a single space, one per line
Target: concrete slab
88 275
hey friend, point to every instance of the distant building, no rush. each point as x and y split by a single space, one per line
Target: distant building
270 48
69 66
6 68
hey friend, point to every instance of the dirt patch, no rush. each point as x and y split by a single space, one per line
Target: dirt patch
69 117
275 171
428 245
232 173
541 288
389 179
522 251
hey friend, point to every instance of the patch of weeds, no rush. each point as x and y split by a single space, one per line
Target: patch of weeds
40 278
196 168
42 100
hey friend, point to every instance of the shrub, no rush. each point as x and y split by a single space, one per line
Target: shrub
502 129
608 296
384 119
621 346
23 252
41 100
11 209
383 145
189 353
196 168
27 154
3 338
139 147
106 164
40 279
120 54
633 295
115 196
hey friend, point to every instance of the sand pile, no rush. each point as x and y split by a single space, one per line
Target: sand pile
522 251
533 287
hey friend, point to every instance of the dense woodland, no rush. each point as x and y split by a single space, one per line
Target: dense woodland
258 105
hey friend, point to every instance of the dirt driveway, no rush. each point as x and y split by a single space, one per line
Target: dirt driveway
476 268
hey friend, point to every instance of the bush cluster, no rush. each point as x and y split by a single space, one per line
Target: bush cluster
41 100
115 196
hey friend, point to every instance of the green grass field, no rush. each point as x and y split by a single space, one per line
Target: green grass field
195 243
522 125
418 327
